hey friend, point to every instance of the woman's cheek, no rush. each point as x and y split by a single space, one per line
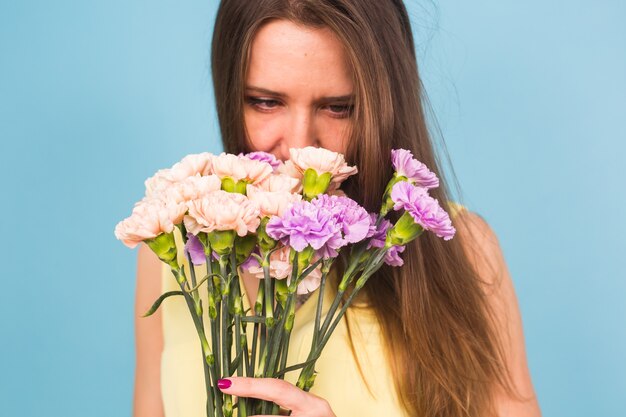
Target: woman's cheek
334 135
263 131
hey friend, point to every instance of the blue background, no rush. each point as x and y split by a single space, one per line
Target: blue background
96 96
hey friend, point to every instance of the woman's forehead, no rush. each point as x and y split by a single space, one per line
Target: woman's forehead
288 57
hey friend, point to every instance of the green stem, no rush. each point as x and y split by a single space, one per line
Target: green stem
269 315
228 401
269 294
213 311
206 366
336 321
258 312
320 300
304 378
208 358
240 346
331 322
255 335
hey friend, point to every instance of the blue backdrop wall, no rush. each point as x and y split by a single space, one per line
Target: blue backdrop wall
96 96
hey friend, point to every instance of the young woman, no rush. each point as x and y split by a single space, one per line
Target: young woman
440 336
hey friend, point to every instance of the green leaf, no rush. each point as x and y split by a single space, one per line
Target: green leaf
159 300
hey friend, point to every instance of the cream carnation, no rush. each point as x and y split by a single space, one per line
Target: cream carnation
192 188
220 210
321 160
271 203
281 182
241 168
150 217
190 165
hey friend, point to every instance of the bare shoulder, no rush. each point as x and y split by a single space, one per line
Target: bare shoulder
483 249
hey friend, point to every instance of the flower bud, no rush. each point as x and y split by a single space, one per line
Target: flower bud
388 203
222 241
404 231
164 246
281 290
244 247
266 243
314 184
304 258
232 186
204 239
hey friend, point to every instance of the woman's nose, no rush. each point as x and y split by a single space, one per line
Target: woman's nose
300 131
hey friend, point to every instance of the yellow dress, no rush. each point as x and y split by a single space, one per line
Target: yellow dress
338 379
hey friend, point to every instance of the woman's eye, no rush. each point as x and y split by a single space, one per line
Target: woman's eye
341 110
261 103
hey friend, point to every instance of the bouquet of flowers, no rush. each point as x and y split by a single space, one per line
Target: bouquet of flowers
286 223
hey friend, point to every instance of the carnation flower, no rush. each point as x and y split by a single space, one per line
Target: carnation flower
192 188
321 160
311 282
349 215
220 210
281 182
415 171
378 236
271 203
263 157
424 209
150 217
241 168
327 223
190 165
304 224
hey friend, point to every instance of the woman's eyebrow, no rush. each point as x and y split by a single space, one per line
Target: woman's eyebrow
348 97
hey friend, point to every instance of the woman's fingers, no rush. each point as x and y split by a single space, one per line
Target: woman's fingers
278 391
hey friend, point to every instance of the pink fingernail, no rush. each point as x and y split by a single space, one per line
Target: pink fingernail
224 383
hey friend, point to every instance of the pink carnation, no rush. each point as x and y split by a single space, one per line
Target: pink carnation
241 168
321 160
271 203
192 188
220 210
424 209
150 217
281 182
416 172
190 165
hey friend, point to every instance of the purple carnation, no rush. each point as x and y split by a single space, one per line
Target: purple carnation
263 157
354 220
424 209
304 224
378 236
194 248
415 171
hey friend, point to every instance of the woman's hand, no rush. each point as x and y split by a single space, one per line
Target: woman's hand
286 395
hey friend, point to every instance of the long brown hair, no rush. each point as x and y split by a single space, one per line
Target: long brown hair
433 312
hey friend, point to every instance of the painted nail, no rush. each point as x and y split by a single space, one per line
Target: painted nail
224 383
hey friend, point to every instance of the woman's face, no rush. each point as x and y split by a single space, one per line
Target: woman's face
298 90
